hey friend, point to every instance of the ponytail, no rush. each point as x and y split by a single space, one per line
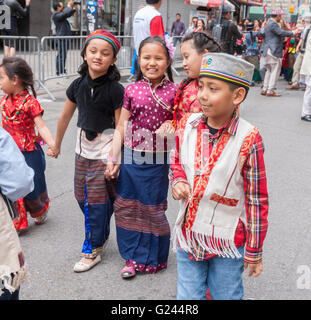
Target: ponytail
15 66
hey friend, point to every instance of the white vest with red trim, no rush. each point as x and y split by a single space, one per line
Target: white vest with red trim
222 204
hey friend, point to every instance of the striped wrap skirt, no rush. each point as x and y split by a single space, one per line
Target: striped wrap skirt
95 196
143 232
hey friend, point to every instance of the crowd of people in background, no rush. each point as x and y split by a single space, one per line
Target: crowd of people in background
275 48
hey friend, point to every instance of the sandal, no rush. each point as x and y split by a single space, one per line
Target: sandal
128 272
42 219
82 267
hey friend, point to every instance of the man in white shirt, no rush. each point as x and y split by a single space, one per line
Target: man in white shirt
147 22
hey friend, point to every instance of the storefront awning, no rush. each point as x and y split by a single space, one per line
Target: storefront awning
251 2
208 3
202 3
217 3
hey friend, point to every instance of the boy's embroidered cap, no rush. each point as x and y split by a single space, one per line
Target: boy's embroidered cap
228 68
105 35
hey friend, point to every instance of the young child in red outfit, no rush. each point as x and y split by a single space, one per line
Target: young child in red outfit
21 114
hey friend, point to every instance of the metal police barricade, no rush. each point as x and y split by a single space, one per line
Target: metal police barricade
177 61
60 57
27 48
126 53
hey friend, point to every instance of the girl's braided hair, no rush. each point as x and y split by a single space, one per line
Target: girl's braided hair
15 66
201 41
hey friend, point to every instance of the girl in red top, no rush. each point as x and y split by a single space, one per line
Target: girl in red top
21 113
192 48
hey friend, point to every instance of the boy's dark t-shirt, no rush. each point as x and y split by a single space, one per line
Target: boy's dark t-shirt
96 99
212 131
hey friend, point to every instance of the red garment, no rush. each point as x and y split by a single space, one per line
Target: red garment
186 100
18 114
157 27
21 221
189 101
255 190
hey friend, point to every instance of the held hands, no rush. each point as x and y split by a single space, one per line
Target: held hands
112 169
255 269
27 3
53 151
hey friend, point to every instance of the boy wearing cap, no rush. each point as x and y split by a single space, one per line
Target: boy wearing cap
219 177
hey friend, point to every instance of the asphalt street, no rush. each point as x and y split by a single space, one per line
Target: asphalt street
52 249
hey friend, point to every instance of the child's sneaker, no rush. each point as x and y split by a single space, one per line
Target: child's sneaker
42 219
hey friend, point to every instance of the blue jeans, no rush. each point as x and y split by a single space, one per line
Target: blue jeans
7 296
222 276
62 48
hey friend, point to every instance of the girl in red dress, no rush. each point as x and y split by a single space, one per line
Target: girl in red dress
21 113
192 48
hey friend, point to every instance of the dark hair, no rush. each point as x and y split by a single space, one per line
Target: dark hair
56 6
203 41
113 72
203 22
15 66
233 86
152 1
162 42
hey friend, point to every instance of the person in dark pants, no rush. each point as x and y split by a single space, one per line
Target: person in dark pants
62 29
178 29
16 11
230 32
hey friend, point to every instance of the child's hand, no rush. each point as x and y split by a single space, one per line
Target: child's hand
255 269
112 170
50 153
109 169
165 129
181 190
53 151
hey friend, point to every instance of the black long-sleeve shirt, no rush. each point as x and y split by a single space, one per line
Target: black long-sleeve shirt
16 9
61 23
230 33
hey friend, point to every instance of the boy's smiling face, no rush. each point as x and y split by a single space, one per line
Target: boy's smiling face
218 100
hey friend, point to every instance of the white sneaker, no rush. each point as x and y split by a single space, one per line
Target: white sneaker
81 266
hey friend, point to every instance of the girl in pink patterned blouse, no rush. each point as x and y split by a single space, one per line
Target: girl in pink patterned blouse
143 232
